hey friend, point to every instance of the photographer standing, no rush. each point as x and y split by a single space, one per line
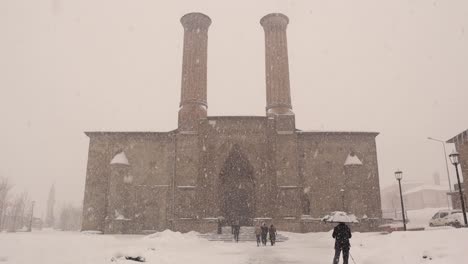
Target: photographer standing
341 234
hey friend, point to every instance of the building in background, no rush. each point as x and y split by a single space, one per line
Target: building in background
461 145
416 195
236 168
425 196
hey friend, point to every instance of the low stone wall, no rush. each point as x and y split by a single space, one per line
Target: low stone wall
368 225
202 226
289 225
211 225
316 225
124 226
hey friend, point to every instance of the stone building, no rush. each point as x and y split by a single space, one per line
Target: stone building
242 168
461 145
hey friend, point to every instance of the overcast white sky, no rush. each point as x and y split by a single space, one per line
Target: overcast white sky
397 67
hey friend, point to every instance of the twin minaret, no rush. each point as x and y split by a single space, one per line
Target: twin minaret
193 102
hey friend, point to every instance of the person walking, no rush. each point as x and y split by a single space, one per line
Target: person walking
220 224
236 230
341 234
258 233
264 233
272 232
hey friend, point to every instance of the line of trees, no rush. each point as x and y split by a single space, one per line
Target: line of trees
15 209
70 218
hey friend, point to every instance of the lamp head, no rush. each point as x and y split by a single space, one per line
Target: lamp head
454 157
398 175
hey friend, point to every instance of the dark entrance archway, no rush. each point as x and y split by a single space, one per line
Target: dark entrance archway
237 188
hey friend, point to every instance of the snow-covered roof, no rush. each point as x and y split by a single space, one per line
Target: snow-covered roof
424 187
352 160
336 132
120 158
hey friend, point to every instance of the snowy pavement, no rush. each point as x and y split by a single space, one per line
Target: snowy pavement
53 247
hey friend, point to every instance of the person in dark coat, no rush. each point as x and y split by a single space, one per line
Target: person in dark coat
341 234
236 230
264 233
220 224
272 232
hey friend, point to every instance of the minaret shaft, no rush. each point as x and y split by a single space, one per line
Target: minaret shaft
276 64
193 102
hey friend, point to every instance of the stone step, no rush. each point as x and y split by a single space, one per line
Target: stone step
231 239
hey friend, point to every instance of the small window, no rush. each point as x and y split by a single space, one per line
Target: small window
435 216
442 215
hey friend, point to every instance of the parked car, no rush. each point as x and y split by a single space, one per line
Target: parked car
455 220
440 218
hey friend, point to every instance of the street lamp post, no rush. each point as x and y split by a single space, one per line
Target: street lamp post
399 176
446 167
342 199
454 159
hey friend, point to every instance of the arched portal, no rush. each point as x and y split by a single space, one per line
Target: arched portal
237 188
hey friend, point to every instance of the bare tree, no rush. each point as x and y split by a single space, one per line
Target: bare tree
70 218
17 212
5 187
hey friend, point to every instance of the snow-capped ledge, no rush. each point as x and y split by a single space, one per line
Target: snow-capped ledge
352 160
92 232
262 218
120 158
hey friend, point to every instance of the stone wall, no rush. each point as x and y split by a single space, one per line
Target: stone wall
96 185
322 158
175 176
315 225
462 148
200 225
151 159
461 145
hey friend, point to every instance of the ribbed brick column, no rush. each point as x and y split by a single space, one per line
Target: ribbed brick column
276 60
193 103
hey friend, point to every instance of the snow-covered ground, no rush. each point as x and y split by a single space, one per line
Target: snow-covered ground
53 247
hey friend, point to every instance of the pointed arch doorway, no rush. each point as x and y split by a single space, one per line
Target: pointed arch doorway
237 188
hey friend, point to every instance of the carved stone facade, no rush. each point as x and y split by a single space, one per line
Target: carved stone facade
239 168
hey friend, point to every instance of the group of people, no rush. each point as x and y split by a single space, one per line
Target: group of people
262 232
341 234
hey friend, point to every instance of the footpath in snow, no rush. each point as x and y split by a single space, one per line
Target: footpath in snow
443 246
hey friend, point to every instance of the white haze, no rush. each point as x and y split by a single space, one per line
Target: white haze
396 67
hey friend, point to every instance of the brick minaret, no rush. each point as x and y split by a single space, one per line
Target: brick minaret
193 102
276 60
